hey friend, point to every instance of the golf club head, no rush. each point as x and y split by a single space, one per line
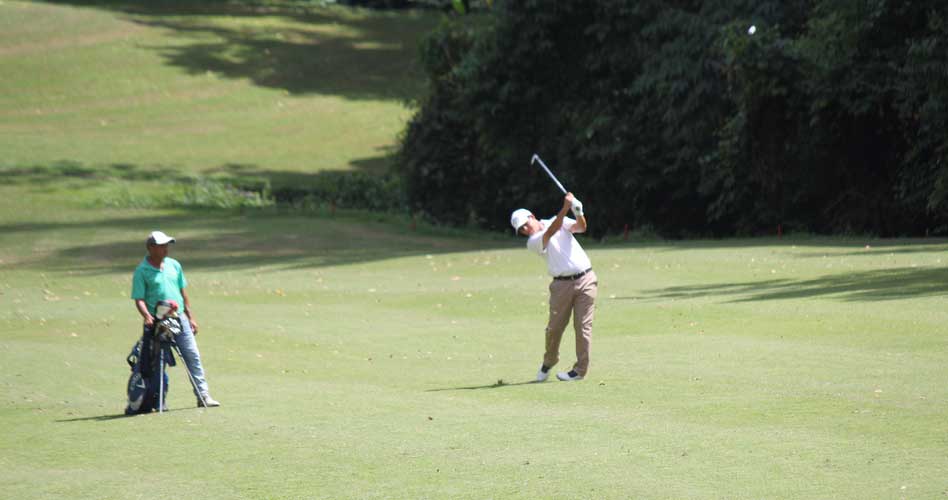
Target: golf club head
536 158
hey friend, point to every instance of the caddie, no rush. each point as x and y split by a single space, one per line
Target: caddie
574 286
159 277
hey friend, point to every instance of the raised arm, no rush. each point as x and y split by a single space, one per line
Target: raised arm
580 226
558 221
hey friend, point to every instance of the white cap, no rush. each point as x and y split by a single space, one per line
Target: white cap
519 217
159 238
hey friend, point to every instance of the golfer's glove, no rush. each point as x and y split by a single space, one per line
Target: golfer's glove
577 208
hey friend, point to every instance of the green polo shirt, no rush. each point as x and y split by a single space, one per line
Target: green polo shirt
151 285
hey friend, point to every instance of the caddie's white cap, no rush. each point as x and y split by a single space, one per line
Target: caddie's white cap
519 217
159 238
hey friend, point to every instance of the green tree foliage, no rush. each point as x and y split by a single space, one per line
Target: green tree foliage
830 117
922 96
377 4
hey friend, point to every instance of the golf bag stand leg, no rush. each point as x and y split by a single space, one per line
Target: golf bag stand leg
161 379
197 391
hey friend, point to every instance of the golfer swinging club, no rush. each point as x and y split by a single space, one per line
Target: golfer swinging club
574 286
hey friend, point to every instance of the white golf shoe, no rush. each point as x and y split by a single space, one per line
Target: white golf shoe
569 376
542 375
207 399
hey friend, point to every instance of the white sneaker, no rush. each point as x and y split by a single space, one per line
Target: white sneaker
569 376
542 375
207 399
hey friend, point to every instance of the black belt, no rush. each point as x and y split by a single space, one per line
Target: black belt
573 276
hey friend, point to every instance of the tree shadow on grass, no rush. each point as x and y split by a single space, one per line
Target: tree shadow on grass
862 286
883 248
355 54
57 172
835 246
300 181
222 240
212 238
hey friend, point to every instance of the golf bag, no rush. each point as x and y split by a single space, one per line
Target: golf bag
148 383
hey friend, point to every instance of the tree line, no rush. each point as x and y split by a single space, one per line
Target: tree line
674 116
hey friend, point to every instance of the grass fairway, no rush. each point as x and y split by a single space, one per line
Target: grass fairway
356 358
206 89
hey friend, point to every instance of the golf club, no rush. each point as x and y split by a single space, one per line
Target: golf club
536 158
190 377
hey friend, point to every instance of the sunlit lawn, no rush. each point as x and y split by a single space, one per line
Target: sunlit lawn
363 356
358 358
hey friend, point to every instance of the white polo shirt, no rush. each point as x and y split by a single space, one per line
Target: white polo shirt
564 256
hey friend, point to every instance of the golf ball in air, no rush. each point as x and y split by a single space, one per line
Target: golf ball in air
752 30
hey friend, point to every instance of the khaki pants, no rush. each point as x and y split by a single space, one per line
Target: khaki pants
579 297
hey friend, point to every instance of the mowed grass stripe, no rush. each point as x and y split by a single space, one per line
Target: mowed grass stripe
204 89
